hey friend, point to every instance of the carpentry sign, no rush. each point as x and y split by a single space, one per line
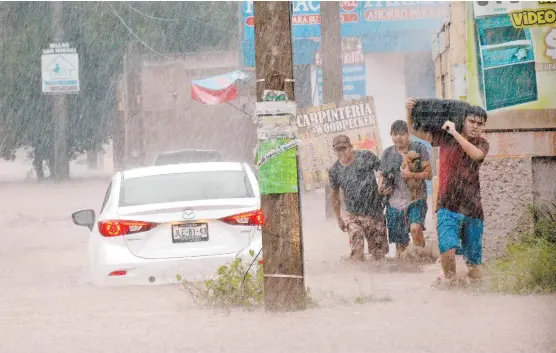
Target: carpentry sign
60 69
317 126
277 146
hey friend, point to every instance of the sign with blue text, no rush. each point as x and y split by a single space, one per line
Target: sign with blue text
60 69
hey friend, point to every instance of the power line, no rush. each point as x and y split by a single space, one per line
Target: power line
157 52
241 110
139 39
181 19
150 16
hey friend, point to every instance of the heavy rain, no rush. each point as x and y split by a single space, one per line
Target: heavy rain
219 176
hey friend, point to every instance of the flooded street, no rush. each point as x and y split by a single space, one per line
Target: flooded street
391 107
47 304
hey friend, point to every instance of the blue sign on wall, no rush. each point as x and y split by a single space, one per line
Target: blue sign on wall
350 18
354 81
306 19
383 26
383 16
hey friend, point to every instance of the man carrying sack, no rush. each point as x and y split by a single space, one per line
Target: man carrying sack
459 211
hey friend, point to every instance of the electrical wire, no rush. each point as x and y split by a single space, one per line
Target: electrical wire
139 39
153 50
182 19
241 110
148 46
150 16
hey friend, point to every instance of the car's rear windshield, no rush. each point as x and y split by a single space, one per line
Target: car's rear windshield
188 157
190 186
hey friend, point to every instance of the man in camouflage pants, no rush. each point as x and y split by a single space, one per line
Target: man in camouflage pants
354 173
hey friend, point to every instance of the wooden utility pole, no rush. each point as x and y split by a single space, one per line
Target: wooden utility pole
60 108
118 141
133 119
331 58
284 285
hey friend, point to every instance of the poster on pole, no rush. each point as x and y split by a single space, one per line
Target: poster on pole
277 163
60 69
318 125
277 146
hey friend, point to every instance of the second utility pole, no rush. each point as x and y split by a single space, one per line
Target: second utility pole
331 58
284 286
60 109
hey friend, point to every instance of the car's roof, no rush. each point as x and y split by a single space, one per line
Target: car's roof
181 168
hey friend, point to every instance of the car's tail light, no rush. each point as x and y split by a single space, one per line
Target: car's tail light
252 218
117 228
118 273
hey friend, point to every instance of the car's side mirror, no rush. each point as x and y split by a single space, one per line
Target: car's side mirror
85 218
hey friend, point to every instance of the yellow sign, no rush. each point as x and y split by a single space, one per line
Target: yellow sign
511 64
533 17
317 126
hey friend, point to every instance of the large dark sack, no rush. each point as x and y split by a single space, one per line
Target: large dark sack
430 114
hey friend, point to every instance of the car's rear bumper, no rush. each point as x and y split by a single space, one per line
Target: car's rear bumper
139 271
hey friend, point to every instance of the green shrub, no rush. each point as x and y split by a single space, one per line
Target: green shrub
529 267
234 285
530 264
544 217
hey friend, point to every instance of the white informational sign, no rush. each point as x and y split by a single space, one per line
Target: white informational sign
490 8
60 69
275 119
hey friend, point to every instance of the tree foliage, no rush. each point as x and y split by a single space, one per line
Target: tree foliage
98 31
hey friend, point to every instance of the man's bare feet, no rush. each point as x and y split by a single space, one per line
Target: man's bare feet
353 259
442 282
401 251
475 272
451 283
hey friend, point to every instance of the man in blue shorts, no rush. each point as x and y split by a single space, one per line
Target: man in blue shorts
406 190
459 211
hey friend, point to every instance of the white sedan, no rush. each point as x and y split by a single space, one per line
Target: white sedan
161 221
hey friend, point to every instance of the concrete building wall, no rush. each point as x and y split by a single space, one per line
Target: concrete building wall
391 79
519 143
172 120
451 51
509 185
544 180
506 192
386 84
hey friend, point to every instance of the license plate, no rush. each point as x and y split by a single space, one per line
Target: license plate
190 232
